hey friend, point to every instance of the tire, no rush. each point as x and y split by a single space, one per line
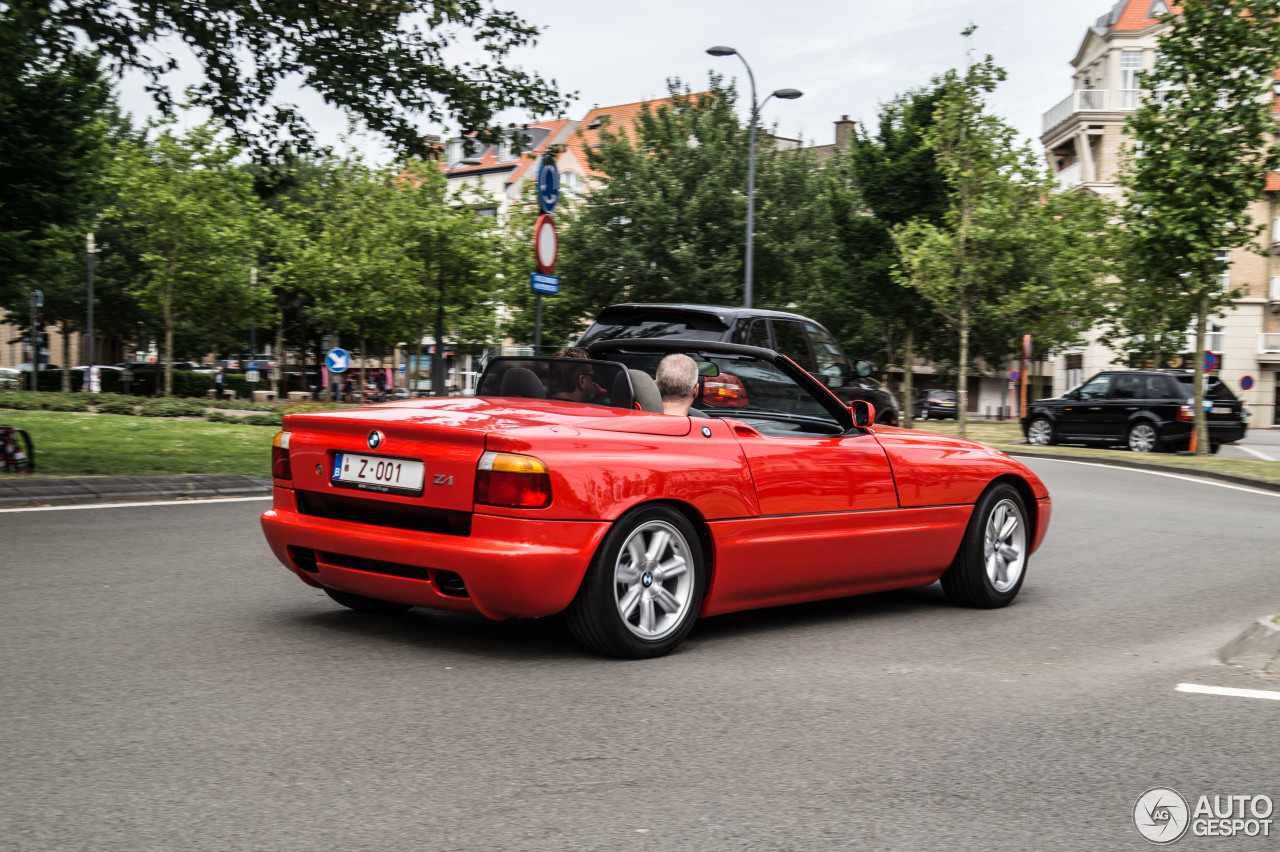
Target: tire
360 603
1143 438
1213 448
617 611
1040 432
992 562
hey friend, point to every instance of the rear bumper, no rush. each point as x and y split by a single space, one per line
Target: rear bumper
512 568
1179 432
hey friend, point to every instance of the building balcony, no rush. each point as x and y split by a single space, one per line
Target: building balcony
1069 176
1269 344
1090 100
1274 295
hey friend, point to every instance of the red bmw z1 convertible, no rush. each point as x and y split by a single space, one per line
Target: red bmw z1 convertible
514 503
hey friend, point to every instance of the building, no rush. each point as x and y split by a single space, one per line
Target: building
1083 138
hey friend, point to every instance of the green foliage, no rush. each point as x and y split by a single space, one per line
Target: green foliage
171 408
52 153
121 405
194 215
1206 143
382 61
28 401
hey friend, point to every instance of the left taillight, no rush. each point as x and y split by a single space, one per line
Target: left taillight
280 468
512 480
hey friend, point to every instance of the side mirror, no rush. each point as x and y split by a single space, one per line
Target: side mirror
864 413
863 368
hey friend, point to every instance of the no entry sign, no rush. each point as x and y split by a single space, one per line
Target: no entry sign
546 244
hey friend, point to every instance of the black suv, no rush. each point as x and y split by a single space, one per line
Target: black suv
935 404
1150 410
799 338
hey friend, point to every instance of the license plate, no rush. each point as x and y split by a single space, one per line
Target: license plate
1220 409
378 473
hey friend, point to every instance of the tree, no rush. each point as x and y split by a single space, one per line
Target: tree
882 182
382 61
54 117
668 222
969 265
194 214
1204 146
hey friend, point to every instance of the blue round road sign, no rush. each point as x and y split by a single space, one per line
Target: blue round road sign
1246 383
1210 362
337 360
548 185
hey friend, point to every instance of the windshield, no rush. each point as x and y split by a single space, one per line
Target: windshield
749 389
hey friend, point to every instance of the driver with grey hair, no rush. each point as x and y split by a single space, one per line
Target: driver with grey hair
677 381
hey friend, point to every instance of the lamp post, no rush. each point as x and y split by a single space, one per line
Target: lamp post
785 94
89 251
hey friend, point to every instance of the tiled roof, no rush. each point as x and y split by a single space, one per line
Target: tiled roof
621 118
489 155
1136 14
1273 182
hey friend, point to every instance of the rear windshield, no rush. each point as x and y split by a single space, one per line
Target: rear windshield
1214 389
945 396
629 324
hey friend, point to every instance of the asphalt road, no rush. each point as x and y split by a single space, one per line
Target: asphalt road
167 686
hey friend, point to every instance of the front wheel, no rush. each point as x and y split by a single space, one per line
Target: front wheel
1040 433
992 562
1143 438
641 594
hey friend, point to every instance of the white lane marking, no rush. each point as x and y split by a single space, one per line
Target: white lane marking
1262 456
1227 690
183 502
1161 473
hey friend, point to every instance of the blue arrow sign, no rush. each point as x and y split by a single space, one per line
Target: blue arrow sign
253 365
540 283
548 185
337 360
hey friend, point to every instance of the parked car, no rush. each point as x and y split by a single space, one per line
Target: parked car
1149 410
634 523
799 338
11 379
935 404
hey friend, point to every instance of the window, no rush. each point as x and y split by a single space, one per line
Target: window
831 360
792 342
1224 277
759 334
1130 68
1096 388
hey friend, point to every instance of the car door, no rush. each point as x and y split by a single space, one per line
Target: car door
1080 415
1126 395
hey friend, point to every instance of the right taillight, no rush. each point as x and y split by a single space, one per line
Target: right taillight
512 480
280 468
1186 412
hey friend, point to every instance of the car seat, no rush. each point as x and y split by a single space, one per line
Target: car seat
647 396
523 382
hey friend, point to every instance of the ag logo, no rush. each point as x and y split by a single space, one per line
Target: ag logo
1161 815
375 439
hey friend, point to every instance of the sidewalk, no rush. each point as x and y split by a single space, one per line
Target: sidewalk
19 491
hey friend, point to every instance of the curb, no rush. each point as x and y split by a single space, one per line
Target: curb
28 493
1234 479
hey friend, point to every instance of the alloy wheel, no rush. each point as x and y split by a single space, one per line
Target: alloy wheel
1004 545
653 583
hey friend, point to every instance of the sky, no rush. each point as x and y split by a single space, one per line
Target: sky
847 56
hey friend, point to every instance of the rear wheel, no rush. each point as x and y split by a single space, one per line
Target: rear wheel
642 592
992 562
1143 438
360 603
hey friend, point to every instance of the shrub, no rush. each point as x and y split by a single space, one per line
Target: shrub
171 408
263 419
117 405
219 417
19 400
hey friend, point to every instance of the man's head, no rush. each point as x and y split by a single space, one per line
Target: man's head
570 352
677 381
571 379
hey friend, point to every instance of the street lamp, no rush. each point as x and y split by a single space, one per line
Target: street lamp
785 94
90 249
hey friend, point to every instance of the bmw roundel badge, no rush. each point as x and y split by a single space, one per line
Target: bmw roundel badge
375 439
